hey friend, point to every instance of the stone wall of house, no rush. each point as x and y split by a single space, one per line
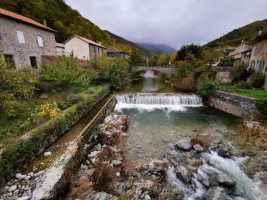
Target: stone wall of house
223 75
234 104
22 51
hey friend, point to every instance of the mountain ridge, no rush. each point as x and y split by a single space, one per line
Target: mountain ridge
158 48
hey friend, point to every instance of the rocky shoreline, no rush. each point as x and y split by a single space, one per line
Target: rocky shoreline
195 168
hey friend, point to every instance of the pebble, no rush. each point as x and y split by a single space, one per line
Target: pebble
118 174
12 188
47 154
147 197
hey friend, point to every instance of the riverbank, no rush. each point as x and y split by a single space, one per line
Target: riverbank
35 142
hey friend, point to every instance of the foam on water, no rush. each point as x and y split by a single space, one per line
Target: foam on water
150 102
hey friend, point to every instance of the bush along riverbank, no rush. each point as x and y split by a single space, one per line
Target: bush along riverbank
33 143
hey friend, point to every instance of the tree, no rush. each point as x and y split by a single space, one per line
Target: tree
136 58
173 57
163 60
189 49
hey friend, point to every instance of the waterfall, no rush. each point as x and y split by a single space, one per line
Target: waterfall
150 102
159 99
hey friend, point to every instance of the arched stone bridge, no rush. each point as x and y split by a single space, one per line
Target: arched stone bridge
170 70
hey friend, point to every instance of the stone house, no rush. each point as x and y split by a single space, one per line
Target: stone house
112 52
60 49
23 41
83 48
241 54
258 60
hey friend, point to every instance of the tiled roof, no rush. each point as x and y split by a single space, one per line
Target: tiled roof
86 40
23 18
60 45
262 34
113 50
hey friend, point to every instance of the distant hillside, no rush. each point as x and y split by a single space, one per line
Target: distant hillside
142 50
235 37
158 48
65 20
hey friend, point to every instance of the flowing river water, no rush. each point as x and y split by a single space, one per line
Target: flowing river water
161 116
160 119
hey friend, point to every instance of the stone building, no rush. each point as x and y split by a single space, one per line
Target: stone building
112 52
23 41
241 54
258 60
83 48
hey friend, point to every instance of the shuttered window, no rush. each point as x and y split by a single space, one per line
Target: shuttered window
40 41
255 51
20 36
265 50
261 64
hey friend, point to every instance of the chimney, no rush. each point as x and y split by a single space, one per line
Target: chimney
99 43
259 33
45 23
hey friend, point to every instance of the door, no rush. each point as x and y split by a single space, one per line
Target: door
33 62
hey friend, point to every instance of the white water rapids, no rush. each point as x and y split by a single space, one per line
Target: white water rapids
148 101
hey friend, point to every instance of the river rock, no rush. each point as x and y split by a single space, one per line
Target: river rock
12 188
171 193
147 197
118 174
123 187
183 173
116 163
24 198
99 196
198 148
226 181
184 145
158 166
47 154
224 153
215 193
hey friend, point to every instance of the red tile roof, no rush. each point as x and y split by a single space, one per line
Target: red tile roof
23 18
86 40
113 50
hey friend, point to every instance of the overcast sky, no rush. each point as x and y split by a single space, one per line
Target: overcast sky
171 22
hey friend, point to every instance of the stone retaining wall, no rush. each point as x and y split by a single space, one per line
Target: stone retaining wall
35 142
234 104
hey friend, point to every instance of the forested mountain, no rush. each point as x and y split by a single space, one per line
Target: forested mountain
235 37
158 48
141 49
65 20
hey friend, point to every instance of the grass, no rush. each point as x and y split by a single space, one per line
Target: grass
10 130
251 93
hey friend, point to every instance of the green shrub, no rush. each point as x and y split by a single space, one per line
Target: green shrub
262 106
243 85
226 62
257 79
73 99
67 72
16 84
119 72
205 87
240 72
11 108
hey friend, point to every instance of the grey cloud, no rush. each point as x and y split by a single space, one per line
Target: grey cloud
172 22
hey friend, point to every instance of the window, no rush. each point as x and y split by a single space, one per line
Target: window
256 52
261 64
20 36
265 50
9 60
33 62
40 41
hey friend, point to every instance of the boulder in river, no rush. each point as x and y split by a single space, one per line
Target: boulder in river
198 148
226 181
171 193
184 145
183 173
215 193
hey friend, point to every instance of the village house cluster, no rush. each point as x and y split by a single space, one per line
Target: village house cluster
25 42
